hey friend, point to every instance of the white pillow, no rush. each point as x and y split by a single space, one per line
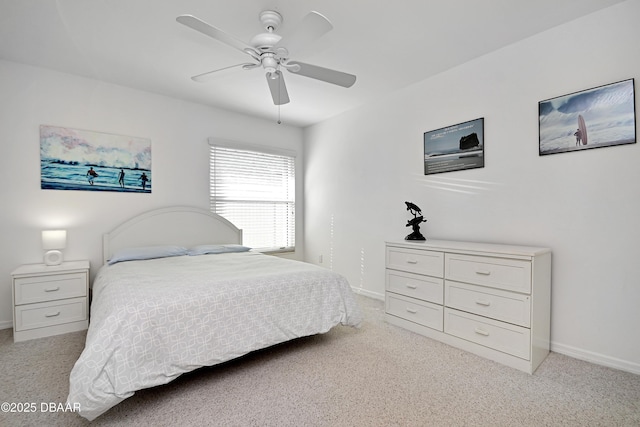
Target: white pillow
216 249
147 252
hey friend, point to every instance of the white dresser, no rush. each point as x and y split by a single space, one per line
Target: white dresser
50 300
492 300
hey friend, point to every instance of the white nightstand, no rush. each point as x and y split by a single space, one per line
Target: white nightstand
50 300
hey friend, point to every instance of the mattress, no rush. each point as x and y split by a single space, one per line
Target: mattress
153 320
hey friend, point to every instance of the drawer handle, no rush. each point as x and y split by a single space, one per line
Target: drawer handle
52 315
483 272
482 332
412 311
484 303
412 262
411 286
57 288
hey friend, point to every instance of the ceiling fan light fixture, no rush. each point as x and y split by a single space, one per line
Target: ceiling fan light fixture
269 63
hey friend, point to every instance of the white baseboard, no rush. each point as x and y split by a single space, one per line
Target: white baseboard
367 293
7 324
598 359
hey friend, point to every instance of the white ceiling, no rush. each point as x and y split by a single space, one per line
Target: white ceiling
139 44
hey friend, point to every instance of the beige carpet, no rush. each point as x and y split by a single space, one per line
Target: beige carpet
378 375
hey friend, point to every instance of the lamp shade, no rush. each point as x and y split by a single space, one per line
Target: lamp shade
54 239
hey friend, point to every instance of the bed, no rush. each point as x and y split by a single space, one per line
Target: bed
178 291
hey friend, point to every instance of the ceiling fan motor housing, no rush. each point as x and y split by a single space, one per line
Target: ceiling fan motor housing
265 41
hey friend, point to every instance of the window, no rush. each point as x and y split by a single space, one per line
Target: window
255 190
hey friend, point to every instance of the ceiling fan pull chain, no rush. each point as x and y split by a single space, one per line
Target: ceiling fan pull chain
279 86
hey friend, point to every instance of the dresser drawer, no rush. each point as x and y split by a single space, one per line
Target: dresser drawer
47 288
44 314
500 336
415 261
500 273
416 311
494 303
416 286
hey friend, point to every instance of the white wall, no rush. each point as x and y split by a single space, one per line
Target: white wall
362 166
180 160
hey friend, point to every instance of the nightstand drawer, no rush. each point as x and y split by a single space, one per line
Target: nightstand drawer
416 286
494 303
416 311
44 314
416 261
500 336
48 288
500 273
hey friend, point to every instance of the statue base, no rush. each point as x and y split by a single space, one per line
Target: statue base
416 235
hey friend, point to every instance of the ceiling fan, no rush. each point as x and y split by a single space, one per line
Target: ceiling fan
273 52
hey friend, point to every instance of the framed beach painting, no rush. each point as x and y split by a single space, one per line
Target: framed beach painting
72 159
454 148
600 117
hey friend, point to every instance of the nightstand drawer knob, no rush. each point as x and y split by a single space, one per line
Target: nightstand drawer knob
52 315
57 288
412 311
483 272
483 303
481 332
412 286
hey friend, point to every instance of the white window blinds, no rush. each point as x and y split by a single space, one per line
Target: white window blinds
255 191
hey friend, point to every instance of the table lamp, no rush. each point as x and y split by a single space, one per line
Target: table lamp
52 241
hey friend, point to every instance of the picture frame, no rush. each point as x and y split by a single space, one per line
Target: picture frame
454 148
73 159
602 116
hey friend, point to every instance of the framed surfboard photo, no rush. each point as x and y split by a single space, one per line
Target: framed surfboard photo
603 116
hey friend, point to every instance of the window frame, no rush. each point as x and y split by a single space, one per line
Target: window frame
236 145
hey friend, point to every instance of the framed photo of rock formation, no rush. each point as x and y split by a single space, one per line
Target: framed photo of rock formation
454 148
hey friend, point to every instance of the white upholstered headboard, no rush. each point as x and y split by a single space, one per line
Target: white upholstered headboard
178 225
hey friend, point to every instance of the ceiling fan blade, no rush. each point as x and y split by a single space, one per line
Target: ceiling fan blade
205 77
312 27
278 88
211 31
320 73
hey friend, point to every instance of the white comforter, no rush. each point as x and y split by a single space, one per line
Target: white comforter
154 320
